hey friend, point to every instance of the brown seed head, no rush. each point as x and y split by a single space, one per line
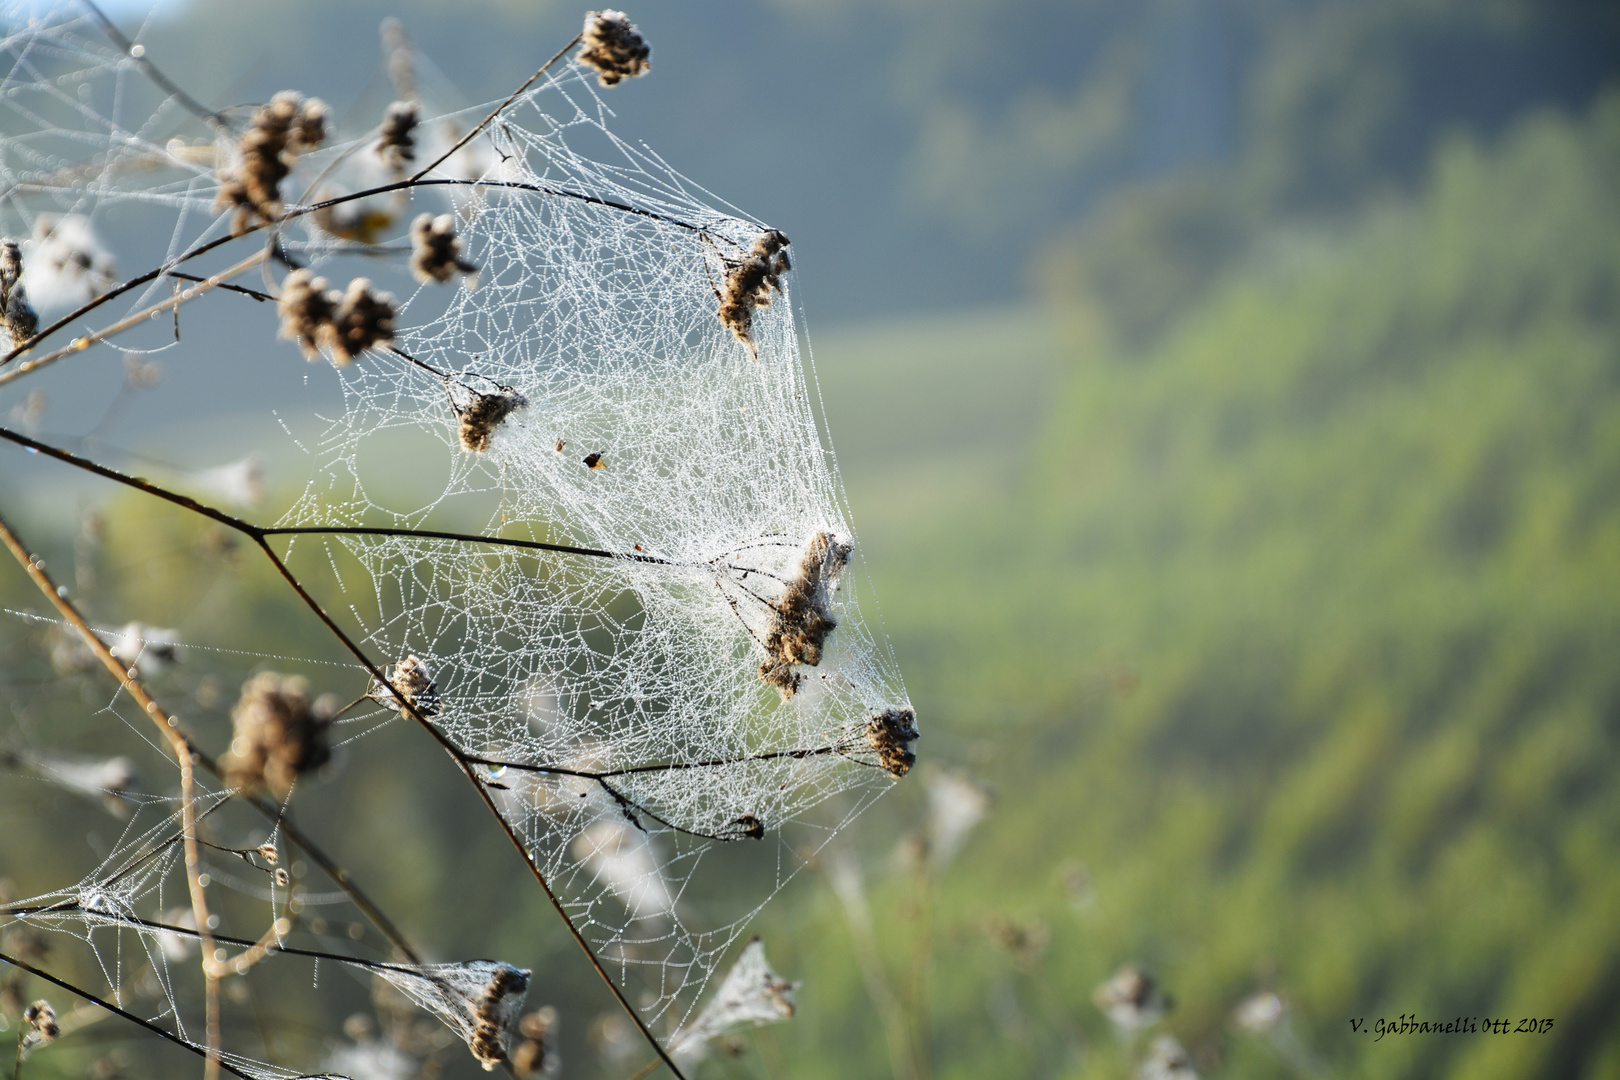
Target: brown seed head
362 319
483 415
41 1021
306 307
611 47
891 733
16 313
493 1015
278 132
276 734
396 143
412 682
750 282
436 249
801 619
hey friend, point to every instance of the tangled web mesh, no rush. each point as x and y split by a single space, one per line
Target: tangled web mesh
628 706
710 480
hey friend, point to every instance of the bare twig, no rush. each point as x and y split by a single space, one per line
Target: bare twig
138 54
79 344
116 1011
486 121
178 746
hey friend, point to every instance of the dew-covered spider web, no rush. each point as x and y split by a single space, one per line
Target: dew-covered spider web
694 678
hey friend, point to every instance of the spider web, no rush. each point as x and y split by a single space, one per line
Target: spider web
616 701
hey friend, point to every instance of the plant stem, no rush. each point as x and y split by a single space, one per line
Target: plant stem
116 1011
486 121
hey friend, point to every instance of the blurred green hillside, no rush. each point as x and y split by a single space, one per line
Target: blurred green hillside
1298 630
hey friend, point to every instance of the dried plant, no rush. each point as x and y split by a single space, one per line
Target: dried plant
277 134
750 282
396 142
611 47
18 315
489 660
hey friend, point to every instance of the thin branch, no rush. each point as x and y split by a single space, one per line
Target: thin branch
483 793
178 746
116 1011
112 294
486 121
192 105
186 931
299 211
79 344
269 810
261 297
257 532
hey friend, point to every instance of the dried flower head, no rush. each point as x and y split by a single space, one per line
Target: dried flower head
40 1019
67 264
494 1014
891 733
436 250
1025 939
534 1055
611 47
750 282
153 648
15 311
1260 1014
409 681
480 404
276 736
1166 1060
362 319
281 877
396 143
347 323
801 619
1131 999
305 307
278 132
752 994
